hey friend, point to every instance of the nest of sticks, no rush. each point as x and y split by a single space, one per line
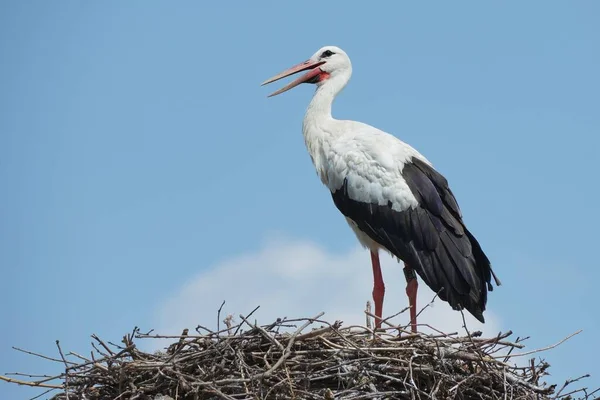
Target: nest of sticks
306 358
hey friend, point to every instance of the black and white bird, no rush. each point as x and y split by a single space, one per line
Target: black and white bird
392 197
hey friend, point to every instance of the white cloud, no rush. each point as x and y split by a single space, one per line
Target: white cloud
292 278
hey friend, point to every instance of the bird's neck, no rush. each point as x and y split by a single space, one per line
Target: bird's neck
319 127
319 109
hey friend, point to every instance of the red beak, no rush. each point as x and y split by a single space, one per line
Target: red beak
303 66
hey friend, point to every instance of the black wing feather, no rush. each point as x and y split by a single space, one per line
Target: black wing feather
430 238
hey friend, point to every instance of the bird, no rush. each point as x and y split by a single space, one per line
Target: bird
391 196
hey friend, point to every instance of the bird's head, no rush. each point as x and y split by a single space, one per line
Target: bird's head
325 64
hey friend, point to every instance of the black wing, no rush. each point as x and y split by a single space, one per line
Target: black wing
431 238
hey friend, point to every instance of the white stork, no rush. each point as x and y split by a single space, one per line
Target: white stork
391 196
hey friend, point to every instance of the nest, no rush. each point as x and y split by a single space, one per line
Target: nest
306 358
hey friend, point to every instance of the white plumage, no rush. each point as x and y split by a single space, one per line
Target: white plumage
390 194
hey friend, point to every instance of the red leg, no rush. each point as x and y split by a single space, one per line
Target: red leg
411 291
378 288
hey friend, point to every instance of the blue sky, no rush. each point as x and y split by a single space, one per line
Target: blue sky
139 153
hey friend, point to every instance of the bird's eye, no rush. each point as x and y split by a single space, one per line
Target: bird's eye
327 53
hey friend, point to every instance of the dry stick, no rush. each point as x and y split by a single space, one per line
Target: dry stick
29 375
202 327
576 391
222 395
99 351
507 356
444 334
219 316
42 356
594 392
475 349
96 338
66 388
320 332
371 395
247 316
118 346
568 382
49 378
534 376
26 383
72 353
179 346
286 352
331 344
242 365
209 336
264 333
515 380
543 348
386 322
499 340
437 388
353 345
115 357
395 315
427 305
41 394
131 336
411 375
504 382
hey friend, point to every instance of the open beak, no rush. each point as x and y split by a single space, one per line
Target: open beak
303 66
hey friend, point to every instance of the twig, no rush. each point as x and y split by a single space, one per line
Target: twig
544 348
42 394
320 331
568 382
41 355
264 333
286 352
427 305
66 368
97 339
219 316
26 383
515 380
482 363
30 375
247 316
